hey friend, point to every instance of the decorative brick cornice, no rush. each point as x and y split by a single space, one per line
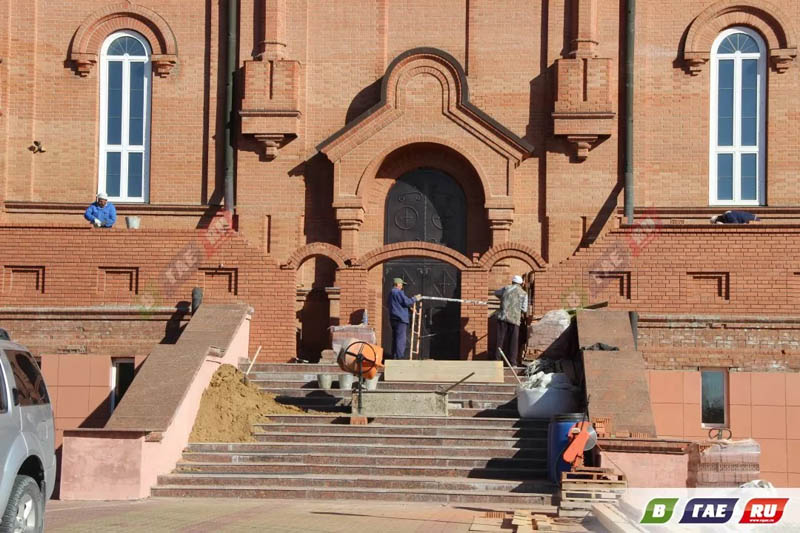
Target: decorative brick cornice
94 29
765 17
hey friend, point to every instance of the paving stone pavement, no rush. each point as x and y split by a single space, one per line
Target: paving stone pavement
199 515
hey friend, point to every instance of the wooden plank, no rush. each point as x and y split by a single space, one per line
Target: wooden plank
598 484
443 371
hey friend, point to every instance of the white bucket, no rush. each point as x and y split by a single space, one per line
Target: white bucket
345 381
133 222
324 381
372 384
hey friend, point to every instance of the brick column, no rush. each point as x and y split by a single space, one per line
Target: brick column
353 296
474 318
274 44
334 297
584 28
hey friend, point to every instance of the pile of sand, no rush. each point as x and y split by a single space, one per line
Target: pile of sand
230 407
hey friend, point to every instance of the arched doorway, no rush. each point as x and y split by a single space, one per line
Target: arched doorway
427 205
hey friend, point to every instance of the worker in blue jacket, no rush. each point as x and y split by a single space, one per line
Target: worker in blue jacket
101 214
398 304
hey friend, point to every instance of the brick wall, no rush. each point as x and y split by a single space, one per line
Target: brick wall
681 270
168 264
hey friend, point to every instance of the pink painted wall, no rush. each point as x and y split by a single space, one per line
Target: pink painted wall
116 476
80 389
763 406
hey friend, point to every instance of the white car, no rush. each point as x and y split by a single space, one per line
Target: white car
27 442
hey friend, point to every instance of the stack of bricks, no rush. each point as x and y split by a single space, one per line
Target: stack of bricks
726 464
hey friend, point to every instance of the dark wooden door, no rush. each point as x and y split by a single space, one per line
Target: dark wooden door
428 205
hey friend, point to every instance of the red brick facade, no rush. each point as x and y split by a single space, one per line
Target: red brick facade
522 105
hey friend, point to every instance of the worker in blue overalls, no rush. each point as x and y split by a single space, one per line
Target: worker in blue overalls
398 304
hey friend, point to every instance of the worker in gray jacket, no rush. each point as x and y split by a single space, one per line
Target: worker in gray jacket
513 303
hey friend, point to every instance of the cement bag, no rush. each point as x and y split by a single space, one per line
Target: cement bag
544 402
372 358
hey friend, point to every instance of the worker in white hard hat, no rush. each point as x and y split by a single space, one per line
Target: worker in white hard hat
102 213
513 304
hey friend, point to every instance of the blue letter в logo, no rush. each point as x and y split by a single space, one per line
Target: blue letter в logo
708 510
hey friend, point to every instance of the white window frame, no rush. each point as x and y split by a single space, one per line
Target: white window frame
115 362
737 149
125 148
725 407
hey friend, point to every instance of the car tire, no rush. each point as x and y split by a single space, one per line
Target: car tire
25 510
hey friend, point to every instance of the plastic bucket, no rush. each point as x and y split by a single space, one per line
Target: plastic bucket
132 222
557 439
324 381
345 381
372 383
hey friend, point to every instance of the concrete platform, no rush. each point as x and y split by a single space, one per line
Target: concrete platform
267 516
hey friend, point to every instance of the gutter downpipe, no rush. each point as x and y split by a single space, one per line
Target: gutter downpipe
232 30
630 46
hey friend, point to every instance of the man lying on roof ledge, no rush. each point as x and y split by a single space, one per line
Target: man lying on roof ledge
734 217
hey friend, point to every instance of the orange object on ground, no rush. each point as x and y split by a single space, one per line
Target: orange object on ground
577 442
372 358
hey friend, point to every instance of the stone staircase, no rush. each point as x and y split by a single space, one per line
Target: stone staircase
482 453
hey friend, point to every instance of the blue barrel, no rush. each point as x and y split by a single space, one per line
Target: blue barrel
557 439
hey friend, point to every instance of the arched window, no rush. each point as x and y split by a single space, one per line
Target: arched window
125 117
738 98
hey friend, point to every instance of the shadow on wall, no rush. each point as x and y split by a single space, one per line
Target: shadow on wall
365 99
175 324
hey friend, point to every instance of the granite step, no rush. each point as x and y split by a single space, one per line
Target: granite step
341 403
538 502
490 388
453 396
438 421
193 455
354 481
454 449
376 429
301 468
401 439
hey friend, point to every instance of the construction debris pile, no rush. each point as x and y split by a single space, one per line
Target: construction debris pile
230 407
548 389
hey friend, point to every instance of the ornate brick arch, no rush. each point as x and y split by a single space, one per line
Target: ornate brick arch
413 249
315 249
763 16
375 165
100 24
512 250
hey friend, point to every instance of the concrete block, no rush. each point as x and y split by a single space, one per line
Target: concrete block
389 403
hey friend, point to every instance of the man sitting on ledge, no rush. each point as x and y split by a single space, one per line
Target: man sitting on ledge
734 217
101 214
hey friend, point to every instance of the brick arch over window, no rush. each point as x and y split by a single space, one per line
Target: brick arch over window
512 250
414 249
763 16
89 37
316 249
